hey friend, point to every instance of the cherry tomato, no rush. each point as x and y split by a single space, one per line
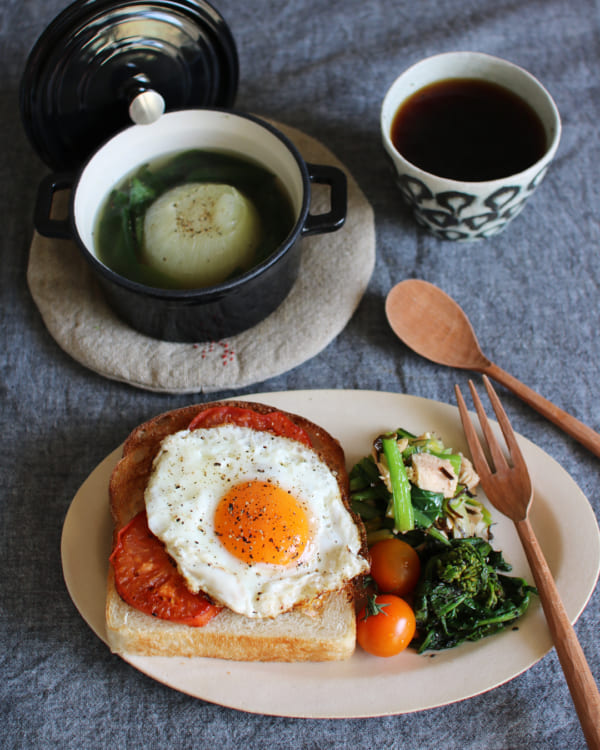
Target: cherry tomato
395 566
147 579
389 630
275 422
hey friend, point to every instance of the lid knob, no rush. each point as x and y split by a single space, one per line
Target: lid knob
146 107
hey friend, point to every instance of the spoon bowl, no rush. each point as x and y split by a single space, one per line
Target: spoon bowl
434 326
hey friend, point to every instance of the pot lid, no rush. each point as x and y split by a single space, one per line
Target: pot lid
102 64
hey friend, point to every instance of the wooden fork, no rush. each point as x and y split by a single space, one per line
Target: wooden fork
509 489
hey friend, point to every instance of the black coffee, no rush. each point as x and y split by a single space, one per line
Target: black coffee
468 129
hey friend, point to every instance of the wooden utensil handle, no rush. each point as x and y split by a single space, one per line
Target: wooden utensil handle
573 427
572 659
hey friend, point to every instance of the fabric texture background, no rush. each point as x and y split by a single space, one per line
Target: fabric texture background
532 295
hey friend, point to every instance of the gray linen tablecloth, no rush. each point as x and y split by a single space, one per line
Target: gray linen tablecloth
532 294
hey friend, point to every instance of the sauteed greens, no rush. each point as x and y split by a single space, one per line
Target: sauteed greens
414 484
462 595
416 489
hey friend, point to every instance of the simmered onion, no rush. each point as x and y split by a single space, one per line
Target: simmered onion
200 233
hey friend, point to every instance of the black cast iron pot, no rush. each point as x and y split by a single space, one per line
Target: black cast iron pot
213 312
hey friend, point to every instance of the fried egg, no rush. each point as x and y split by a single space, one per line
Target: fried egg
254 520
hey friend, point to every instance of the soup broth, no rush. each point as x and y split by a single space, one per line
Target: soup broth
120 232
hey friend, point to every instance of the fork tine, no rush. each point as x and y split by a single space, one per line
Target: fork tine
505 426
479 459
498 458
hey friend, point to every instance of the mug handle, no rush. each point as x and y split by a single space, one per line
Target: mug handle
328 222
46 226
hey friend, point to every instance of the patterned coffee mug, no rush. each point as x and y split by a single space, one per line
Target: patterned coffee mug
460 210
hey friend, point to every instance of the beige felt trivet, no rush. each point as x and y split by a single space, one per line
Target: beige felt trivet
334 272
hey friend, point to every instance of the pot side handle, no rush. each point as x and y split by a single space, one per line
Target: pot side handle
42 221
328 222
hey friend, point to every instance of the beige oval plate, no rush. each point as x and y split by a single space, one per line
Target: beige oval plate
364 685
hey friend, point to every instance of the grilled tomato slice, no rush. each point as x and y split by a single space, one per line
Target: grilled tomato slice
147 578
275 421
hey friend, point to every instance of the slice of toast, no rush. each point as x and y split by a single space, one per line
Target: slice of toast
292 636
323 633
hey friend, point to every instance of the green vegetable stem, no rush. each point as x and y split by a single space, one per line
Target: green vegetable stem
403 513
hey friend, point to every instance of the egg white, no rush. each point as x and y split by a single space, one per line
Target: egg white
195 469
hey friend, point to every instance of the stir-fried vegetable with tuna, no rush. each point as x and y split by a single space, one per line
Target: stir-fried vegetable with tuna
415 484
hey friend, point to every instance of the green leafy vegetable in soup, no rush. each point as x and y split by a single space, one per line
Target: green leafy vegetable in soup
192 220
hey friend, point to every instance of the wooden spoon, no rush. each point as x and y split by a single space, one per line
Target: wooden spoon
433 325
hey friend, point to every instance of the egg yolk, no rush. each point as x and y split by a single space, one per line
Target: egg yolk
258 522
